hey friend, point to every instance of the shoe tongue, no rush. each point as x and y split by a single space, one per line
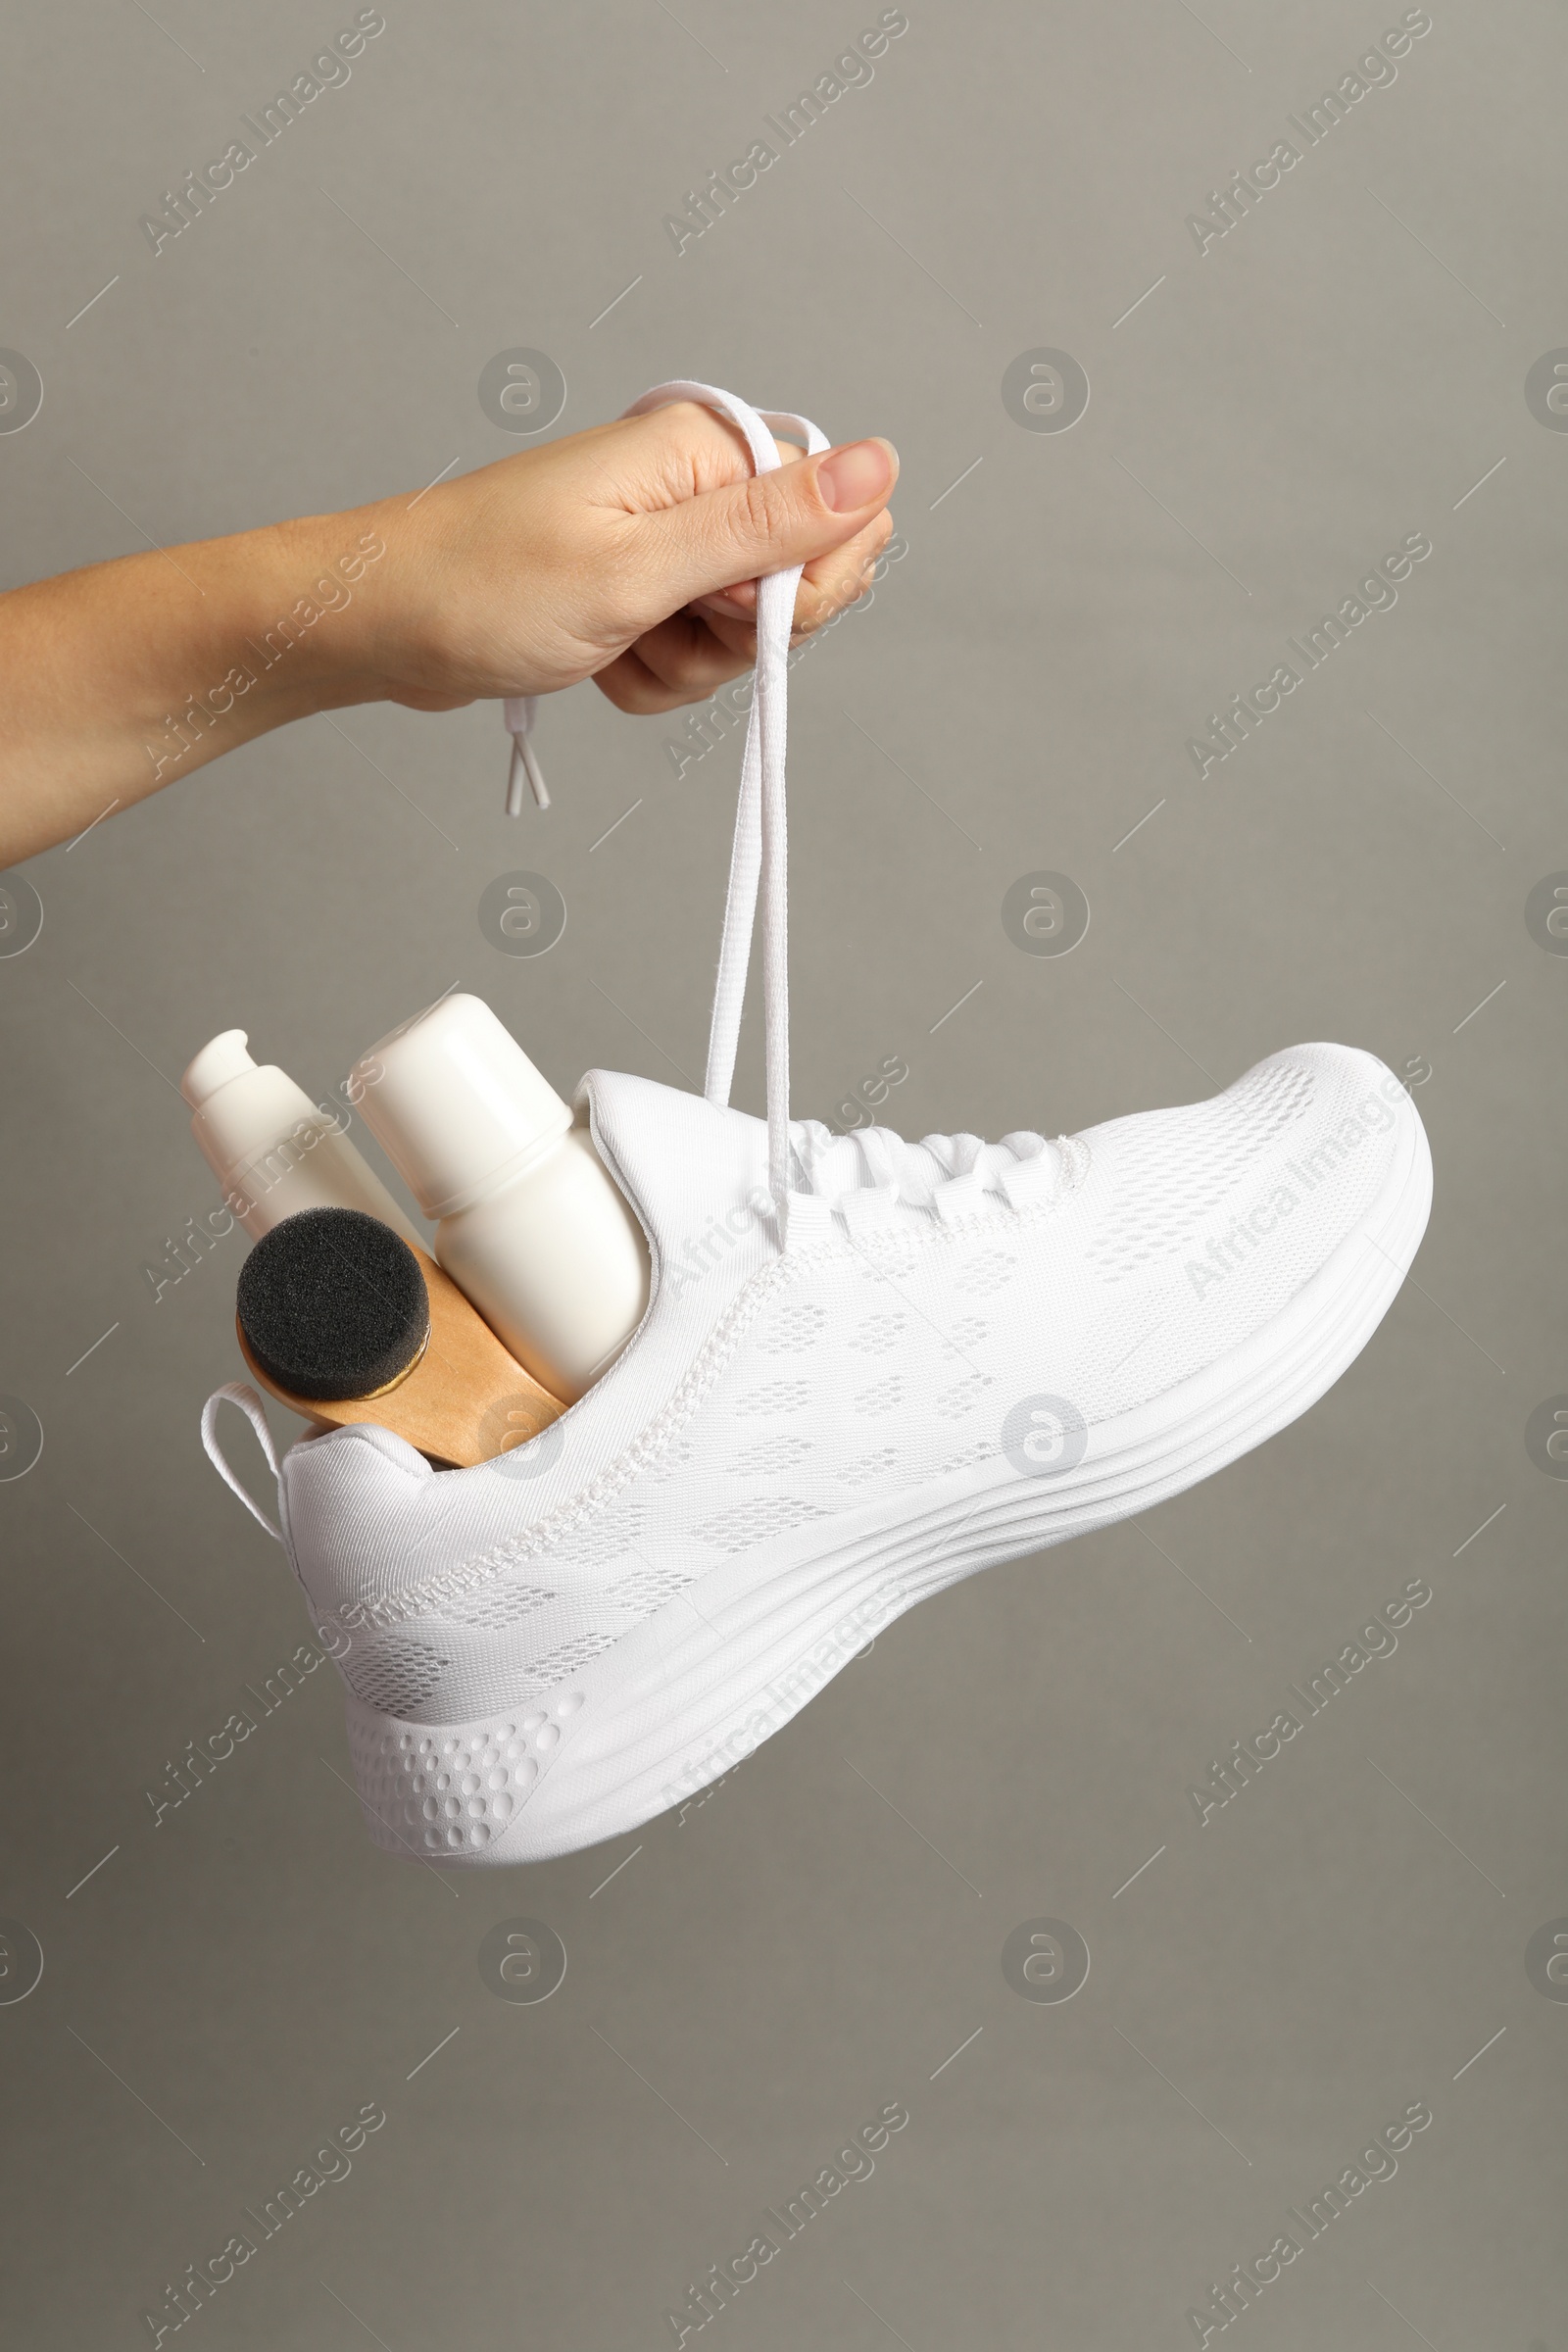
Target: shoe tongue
683 1162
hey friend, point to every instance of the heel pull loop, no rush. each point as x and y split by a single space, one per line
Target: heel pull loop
241 1394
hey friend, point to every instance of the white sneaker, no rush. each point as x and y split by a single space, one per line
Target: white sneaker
867 1368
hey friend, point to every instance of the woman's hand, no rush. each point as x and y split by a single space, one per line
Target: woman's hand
628 554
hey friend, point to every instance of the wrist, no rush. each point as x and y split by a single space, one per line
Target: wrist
301 629
271 641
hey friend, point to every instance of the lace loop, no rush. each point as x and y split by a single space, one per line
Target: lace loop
948 1173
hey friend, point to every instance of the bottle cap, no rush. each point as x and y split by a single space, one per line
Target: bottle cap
241 1107
222 1058
456 1104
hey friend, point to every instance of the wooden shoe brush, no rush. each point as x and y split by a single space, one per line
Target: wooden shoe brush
345 1323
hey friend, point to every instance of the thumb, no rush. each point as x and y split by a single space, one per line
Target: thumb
767 523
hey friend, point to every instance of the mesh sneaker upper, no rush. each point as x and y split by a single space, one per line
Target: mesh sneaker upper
819 1396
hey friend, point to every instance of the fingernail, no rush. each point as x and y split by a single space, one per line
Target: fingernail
854 476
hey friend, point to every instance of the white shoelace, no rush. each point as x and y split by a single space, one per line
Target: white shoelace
760 853
873 1165
518 710
941 1171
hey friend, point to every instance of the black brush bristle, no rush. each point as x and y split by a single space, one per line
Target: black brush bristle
333 1304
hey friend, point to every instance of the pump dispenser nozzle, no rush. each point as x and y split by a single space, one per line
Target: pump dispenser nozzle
222 1058
273 1149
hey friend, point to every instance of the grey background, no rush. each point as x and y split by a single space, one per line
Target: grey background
771 1968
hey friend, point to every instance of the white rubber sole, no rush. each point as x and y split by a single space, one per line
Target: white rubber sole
682 1698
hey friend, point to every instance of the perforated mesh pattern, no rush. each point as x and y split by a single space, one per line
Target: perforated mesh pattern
393 1672
879 1333
775 1396
747 1524
675 1458
868 1466
502 1604
604 1537
793 1328
565 1660
648 1589
988 1273
770 1458
1175 1167
984 1450
882 1396
952 1404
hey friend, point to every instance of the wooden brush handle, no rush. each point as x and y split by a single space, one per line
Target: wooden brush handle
467 1400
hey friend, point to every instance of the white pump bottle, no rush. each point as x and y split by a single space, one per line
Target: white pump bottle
273 1149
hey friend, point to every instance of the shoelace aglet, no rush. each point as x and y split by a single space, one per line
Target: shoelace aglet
517 710
524 763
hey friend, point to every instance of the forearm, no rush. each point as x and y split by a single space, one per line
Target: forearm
624 554
119 678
